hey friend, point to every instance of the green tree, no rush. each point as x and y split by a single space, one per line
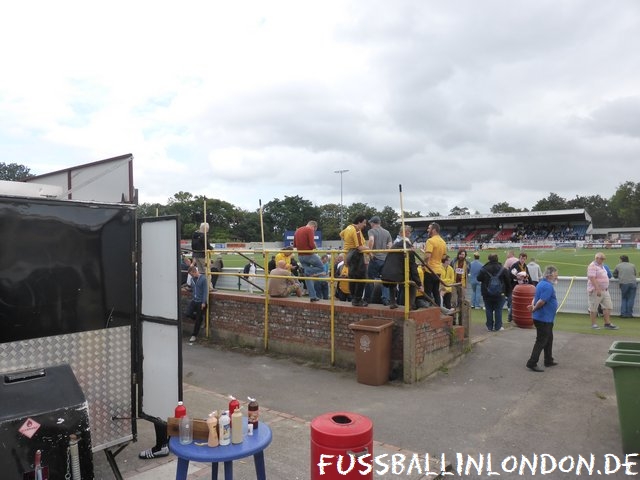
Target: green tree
14 172
390 219
459 211
504 207
288 214
598 208
356 209
626 205
552 202
329 221
247 227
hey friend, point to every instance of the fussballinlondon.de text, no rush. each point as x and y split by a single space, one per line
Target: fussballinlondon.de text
481 464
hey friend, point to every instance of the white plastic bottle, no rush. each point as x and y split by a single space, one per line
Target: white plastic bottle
186 430
224 428
212 424
236 426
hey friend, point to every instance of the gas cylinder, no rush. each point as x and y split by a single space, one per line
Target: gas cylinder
224 429
521 298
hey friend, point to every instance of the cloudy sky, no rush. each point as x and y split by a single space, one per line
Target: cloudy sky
464 103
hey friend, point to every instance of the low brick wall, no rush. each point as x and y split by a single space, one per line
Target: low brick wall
296 327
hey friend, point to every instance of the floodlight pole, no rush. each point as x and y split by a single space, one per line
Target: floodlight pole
341 172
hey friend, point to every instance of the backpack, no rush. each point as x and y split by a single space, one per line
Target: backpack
495 287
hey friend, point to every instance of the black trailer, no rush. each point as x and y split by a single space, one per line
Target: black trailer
91 286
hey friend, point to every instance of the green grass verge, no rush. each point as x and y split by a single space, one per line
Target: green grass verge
577 323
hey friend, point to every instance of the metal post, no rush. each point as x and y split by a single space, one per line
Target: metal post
341 208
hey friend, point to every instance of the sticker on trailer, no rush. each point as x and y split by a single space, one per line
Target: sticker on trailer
29 428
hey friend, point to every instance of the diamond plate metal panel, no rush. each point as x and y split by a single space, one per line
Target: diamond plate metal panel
101 361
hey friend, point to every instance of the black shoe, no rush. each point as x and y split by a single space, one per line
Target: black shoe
315 300
364 303
385 303
535 368
356 303
551 364
393 306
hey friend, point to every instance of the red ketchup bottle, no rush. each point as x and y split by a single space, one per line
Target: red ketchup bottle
233 404
181 410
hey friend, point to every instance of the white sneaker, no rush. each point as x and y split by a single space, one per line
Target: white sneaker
192 339
149 454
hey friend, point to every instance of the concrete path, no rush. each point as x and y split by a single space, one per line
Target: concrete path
486 406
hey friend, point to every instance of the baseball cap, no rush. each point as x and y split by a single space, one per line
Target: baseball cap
374 219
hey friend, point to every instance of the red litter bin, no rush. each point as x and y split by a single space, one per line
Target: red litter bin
341 446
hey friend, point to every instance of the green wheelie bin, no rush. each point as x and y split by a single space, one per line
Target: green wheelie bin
626 376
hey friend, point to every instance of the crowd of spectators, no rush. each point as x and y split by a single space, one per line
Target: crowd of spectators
521 233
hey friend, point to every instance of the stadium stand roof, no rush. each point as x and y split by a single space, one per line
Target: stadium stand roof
548 216
573 216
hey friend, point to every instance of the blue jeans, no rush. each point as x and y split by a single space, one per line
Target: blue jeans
628 294
311 265
476 294
374 271
493 310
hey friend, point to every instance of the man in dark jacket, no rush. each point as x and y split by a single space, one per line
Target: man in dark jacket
393 271
493 275
198 242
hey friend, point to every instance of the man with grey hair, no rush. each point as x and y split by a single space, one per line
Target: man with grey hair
598 291
199 246
543 310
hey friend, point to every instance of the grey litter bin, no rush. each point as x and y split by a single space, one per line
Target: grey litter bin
41 409
373 350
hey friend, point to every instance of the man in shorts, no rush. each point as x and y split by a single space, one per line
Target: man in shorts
598 290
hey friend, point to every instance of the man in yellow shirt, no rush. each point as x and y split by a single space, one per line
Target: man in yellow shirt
355 246
434 251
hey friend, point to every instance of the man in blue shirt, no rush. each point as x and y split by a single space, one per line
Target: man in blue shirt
543 310
198 304
476 286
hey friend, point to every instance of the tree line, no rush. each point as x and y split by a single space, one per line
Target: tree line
230 223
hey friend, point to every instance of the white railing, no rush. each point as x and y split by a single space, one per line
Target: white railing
572 295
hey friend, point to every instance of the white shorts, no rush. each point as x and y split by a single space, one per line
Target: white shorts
603 299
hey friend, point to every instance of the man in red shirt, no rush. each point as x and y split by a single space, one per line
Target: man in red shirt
304 242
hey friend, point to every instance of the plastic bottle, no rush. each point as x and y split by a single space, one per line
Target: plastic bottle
212 424
38 465
253 412
180 411
236 426
186 430
233 404
224 429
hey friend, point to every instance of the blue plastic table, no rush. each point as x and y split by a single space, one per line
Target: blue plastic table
251 445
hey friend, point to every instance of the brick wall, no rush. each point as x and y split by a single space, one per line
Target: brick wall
302 329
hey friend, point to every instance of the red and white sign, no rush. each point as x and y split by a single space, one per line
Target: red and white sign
29 428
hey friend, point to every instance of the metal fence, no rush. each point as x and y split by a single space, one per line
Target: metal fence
571 291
